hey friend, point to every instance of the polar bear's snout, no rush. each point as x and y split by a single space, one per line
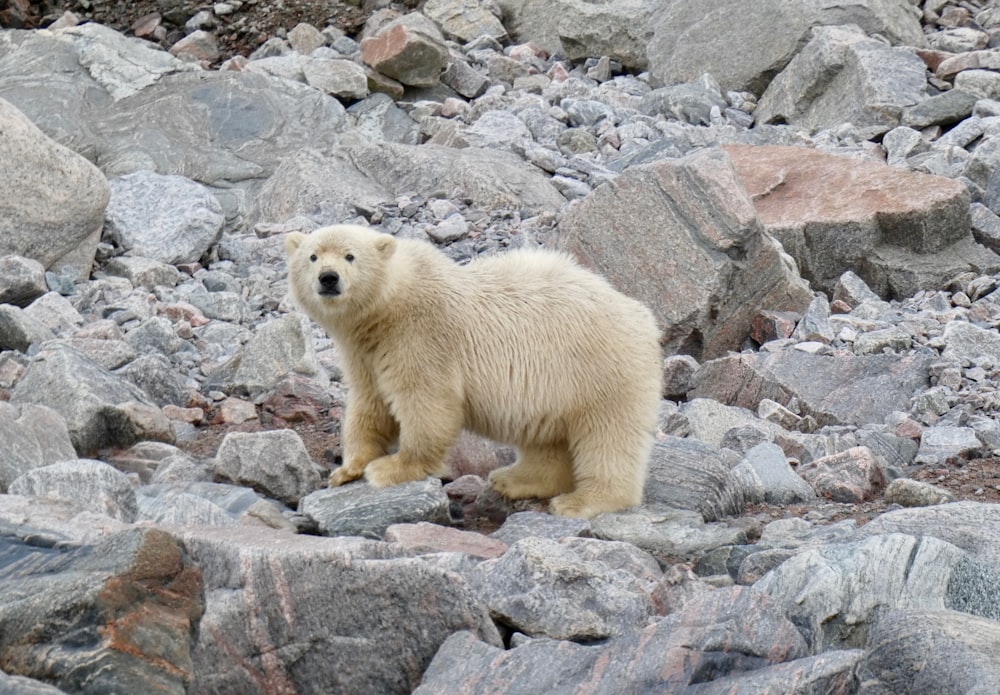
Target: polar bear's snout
329 283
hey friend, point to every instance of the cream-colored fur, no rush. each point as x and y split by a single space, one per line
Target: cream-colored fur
526 348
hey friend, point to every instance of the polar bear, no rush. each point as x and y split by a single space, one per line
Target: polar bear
525 348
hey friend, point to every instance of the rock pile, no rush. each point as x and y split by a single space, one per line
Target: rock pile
805 193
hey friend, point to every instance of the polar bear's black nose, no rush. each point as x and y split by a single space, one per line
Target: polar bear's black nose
329 282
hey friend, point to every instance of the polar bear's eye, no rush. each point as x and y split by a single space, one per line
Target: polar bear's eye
349 258
314 258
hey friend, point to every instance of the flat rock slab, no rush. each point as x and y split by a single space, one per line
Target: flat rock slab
843 390
829 211
730 630
359 509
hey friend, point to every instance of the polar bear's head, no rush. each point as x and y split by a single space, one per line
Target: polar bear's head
336 268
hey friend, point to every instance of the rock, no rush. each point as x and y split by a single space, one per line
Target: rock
927 651
689 221
33 436
665 532
100 408
521 525
916 493
830 594
829 236
842 390
245 632
166 218
361 510
851 476
968 525
691 37
687 474
488 178
779 482
678 372
543 588
941 442
18 331
274 463
425 537
53 207
120 616
278 348
409 49
692 636
94 484
464 20
839 77
22 280
344 79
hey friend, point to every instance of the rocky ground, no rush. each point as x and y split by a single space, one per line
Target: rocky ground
814 218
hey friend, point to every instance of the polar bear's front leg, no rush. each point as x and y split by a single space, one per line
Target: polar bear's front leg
367 433
428 427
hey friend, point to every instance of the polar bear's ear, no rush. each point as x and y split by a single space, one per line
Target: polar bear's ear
385 245
293 240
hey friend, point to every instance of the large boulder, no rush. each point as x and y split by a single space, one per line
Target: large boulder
683 237
52 201
900 230
840 76
692 37
854 390
321 615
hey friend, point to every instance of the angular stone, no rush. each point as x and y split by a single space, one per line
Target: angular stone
279 347
521 525
928 651
870 204
542 588
678 371
295 609
692 37
843 76
424 537
170 219
941 442
120 616
22 280
851 476
833 390
832 593
342 78
684 238
362 510
274 463
666 533
409 49
781 484
688 474
490 179
94 484
18 331
33 436
100 408
967 343
465 20
52 208
691 637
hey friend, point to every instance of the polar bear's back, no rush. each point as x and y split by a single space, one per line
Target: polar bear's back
550 337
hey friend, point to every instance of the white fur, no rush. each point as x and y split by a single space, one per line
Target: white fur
526 348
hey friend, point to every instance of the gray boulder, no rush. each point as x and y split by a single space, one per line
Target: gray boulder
683 237
688 474
22 280
33 436
100 408
692 37
167 218
274 463
927 651
767 465
541 587
843 390
361 510
52 206
335 592
490 179
93 484
840 76
119 616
